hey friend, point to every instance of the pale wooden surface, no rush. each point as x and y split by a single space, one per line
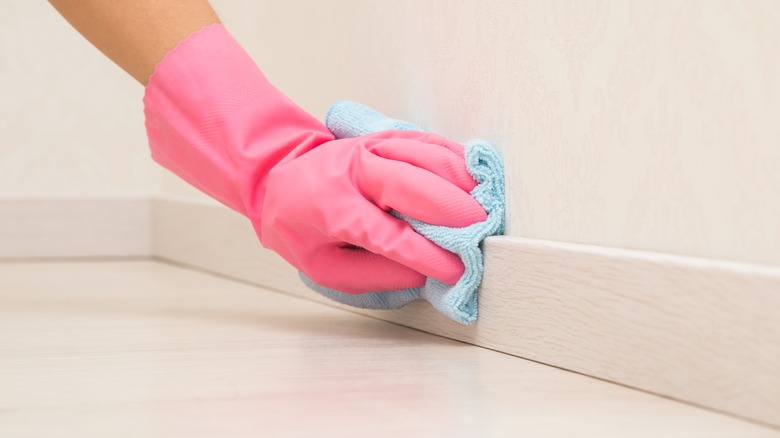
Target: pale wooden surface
145 349
698 330
67 227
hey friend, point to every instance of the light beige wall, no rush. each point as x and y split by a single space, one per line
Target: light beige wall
648 125
70 121
639 124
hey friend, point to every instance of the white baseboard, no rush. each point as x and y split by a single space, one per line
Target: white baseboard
698 330
75 227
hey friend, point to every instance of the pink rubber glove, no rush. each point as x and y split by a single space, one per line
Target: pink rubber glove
213 119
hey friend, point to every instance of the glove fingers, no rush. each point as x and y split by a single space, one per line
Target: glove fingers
418 137
379 232
358 270
417 193
450 145
441 161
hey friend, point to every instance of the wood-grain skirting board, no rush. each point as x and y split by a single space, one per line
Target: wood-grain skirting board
75 227
699 330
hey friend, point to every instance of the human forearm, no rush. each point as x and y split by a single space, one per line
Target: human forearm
136 34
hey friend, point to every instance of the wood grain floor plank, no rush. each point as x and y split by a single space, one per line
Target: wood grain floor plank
147 349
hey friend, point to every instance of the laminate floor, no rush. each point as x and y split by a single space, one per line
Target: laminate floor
147 349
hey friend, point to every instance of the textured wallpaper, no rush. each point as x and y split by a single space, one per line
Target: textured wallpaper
638 124
70 121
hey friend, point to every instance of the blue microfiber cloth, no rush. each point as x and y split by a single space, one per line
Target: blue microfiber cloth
459 302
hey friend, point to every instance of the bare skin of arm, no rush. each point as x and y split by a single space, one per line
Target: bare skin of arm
136 34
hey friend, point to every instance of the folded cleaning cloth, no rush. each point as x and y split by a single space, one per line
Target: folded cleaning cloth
458 302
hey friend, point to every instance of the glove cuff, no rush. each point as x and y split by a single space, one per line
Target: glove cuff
213 119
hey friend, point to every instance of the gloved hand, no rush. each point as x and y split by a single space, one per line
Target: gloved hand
322 204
